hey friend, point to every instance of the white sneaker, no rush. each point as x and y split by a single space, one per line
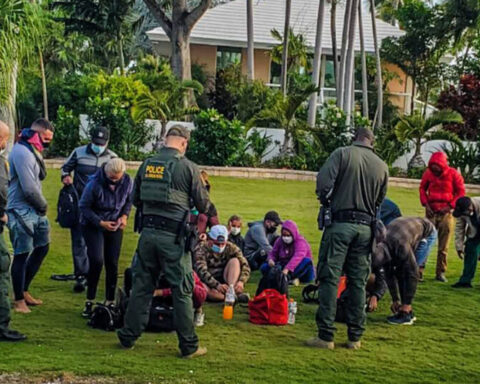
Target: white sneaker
199 319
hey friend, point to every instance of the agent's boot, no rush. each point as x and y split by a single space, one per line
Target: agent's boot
316 342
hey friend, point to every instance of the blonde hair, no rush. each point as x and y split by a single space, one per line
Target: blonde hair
115 166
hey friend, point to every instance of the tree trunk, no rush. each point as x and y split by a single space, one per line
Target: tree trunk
412 97
341 71
251 40
286 32
350 61
44 85
333 33
379 120
121 57
364 63
317 62
7 108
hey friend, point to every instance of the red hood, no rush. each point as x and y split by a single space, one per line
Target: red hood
440 159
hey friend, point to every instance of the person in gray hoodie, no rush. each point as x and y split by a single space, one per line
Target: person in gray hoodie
260 238
27 210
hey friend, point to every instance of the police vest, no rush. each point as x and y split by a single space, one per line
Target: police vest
156 187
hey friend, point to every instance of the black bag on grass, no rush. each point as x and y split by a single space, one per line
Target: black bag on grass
275 279
106 317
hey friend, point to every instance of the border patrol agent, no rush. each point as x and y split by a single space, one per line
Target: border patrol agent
164 186
6 334
353 182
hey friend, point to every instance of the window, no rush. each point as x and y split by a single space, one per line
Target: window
275 73
329 73
227 56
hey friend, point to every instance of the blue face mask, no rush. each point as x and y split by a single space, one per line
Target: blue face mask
98 149
217 249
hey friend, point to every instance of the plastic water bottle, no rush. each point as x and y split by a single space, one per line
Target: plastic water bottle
229 302
292 311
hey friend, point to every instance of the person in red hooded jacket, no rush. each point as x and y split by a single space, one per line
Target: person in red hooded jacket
440 189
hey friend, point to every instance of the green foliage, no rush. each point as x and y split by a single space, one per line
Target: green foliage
217 140
111 107
416 173
388 147
258 144
466 158
67 136
299 55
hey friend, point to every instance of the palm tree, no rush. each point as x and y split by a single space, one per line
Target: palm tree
417 130
283 112
379 114
286 31
312 108
20 30
364 63
299 55
333 33
251 40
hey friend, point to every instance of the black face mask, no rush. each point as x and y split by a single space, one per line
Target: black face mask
45 144
271 229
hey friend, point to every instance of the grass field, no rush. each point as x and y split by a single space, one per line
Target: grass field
443 345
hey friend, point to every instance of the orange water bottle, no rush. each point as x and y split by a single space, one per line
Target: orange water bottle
229 302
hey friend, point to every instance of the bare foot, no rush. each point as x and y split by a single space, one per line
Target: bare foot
30 300
20 306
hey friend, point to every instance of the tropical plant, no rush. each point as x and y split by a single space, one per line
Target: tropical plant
283 111
67 133
258 144
466 158
417 130
216 140
299 56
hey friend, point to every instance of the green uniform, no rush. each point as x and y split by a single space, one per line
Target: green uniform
353 180
164 186
4 256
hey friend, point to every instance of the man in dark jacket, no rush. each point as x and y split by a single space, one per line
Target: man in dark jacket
397 255
84 162
353 183
6 334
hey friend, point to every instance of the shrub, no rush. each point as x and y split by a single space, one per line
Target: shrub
216 140
466 158
258 144
67 134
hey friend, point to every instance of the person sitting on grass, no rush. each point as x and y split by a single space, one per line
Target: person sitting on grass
105 205
235 232
220 264
467 238
260 238
397 255
293 254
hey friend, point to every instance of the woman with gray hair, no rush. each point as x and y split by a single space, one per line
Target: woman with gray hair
104 207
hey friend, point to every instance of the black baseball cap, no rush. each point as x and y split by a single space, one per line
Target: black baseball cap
461 207
100 136
273 216
180 131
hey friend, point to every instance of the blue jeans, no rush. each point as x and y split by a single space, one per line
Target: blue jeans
37 233
424 248
304 271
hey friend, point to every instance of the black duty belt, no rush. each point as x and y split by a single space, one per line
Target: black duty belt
353 217
162 223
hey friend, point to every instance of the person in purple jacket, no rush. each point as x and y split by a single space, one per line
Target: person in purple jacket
293 253
105 205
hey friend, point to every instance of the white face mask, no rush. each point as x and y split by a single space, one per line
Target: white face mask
287 239
235 231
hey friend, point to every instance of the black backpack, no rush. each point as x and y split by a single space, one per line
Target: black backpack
161 318
275 279
108 318
68 214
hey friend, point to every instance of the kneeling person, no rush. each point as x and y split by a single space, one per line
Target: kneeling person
397 255
220 264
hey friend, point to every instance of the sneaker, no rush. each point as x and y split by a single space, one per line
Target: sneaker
80 284
68 277
420 277
243 298
316 342
295 282
201 351
11 335
402 318
441 278
88 311
199 319
462 285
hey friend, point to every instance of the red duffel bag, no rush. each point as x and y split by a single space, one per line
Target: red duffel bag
269 307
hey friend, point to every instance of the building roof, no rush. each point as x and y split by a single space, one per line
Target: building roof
226 25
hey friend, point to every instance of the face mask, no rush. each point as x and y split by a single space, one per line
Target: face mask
112 183
287 239
217 249
235 231
98 149
271 229
2 151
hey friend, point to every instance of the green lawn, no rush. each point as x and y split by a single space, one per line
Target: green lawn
443 345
